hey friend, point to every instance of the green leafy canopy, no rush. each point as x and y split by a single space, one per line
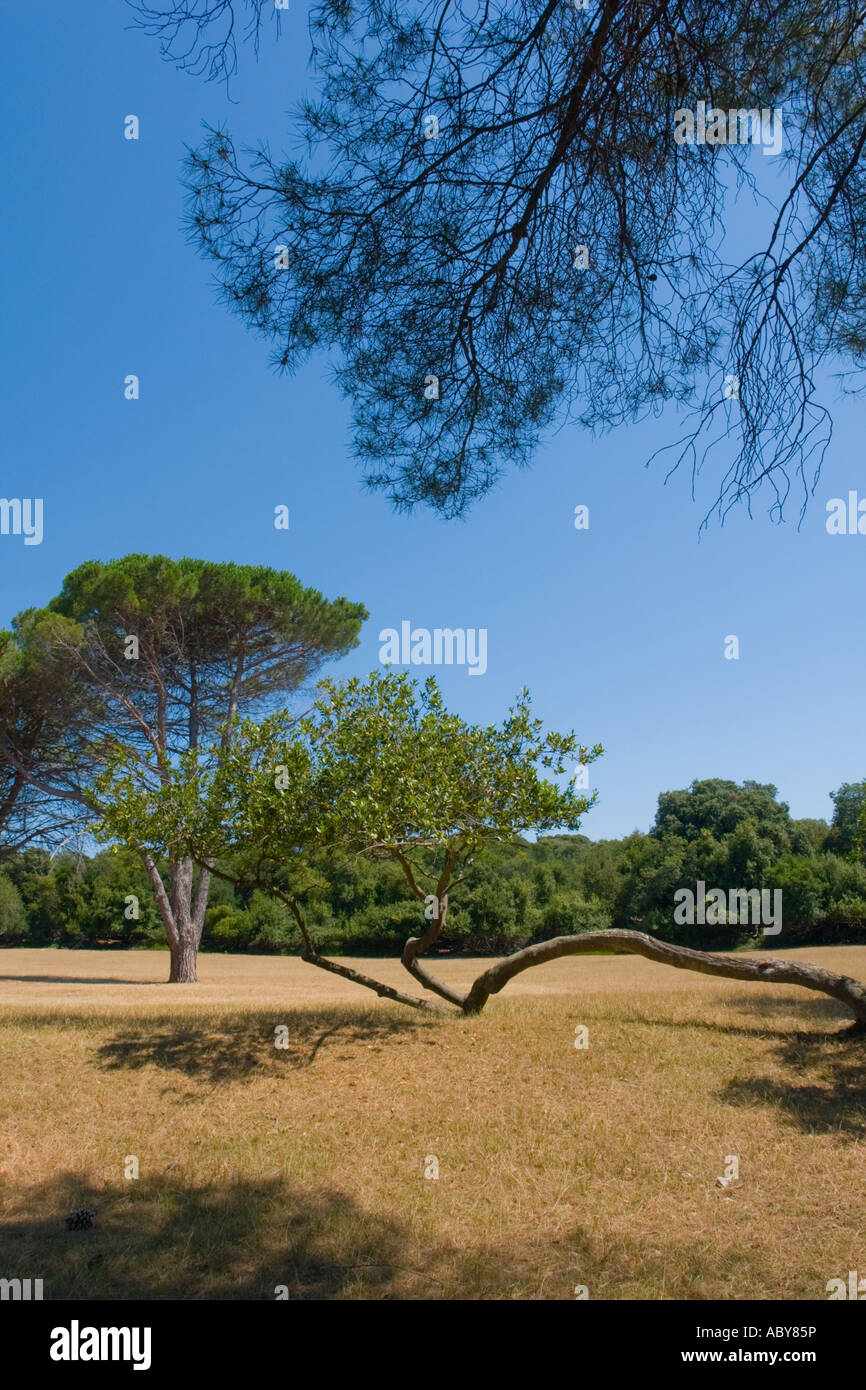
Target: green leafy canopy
376 766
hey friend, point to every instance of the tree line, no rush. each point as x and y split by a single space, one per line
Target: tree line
716 831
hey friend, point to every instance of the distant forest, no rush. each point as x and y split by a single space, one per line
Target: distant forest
717 832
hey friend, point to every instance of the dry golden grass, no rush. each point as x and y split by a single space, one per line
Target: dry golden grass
305 1167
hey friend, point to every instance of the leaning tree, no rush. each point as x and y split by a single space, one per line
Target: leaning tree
490 220
379 767
162 656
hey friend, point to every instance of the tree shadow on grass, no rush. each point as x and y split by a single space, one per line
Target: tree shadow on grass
159 1239
824 1091
822 1010
828 1016
78 980
231 1046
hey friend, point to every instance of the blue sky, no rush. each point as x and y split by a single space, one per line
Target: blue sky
618 631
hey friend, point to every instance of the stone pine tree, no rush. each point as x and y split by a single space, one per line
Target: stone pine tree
165 655
503 216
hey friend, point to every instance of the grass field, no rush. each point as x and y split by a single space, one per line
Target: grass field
305 1167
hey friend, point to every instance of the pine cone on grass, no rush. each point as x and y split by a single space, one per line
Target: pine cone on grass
80 1219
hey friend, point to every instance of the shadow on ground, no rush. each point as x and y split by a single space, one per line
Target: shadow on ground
79 980
244 1240
162 1239
823 1090
229 1047
819 1083
820 1010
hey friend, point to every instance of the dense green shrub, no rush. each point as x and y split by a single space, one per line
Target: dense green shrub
13 918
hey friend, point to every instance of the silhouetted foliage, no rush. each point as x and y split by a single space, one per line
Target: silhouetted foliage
452 160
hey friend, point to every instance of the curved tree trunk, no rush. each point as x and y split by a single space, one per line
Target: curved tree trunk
850 992
417 945
385 991
773 971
